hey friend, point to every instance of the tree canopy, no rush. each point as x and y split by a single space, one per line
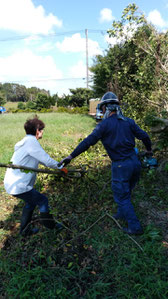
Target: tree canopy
19 93
136 66
79 97
2 96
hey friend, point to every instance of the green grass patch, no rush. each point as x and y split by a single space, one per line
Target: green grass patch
11 105
91 258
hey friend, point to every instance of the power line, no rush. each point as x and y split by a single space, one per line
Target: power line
97 31
38 35
44 80
50 35
53 35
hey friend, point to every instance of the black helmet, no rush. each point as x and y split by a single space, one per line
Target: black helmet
109 98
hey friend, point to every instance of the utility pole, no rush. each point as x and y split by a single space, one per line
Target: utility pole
87 71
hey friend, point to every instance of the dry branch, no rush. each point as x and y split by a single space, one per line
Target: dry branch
39 170
98 220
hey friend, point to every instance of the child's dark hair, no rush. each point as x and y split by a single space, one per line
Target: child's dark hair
31 126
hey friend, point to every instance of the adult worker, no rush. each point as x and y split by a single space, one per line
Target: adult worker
28 152
117 133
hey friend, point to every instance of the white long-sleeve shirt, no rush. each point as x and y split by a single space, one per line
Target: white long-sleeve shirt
28 152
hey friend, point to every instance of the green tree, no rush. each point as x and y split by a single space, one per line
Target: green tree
2 96
31 105
32 92
102 73
21 106
9 93
80 97
151 57
43 101
15 92
135 66
21 93
63 101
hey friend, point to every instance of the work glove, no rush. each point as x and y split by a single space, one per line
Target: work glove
65 161
59 166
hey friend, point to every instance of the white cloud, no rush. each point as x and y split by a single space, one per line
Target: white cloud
32 40
24 66
128 32
45 47
111 40
77 44
106 15
36 41
22 16
156 19
78 70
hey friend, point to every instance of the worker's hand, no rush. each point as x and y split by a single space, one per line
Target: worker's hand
65 161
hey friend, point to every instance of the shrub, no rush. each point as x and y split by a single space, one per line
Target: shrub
21 106
31 105
76 110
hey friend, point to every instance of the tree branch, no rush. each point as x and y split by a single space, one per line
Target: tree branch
58 172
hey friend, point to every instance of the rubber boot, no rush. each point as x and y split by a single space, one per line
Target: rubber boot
25 229
48 221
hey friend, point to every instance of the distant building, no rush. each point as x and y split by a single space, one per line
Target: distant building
92 106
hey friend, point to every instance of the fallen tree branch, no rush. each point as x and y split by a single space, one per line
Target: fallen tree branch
58 172
127 234
85 231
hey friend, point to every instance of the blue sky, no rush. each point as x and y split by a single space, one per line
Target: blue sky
43 42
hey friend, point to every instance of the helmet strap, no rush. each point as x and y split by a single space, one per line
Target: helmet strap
107 113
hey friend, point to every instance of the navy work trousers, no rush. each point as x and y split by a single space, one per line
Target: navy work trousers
125 175
34 198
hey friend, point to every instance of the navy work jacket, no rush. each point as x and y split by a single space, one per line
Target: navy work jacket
117 136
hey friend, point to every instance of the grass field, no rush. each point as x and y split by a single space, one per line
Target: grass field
61 131
11 105
91 257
